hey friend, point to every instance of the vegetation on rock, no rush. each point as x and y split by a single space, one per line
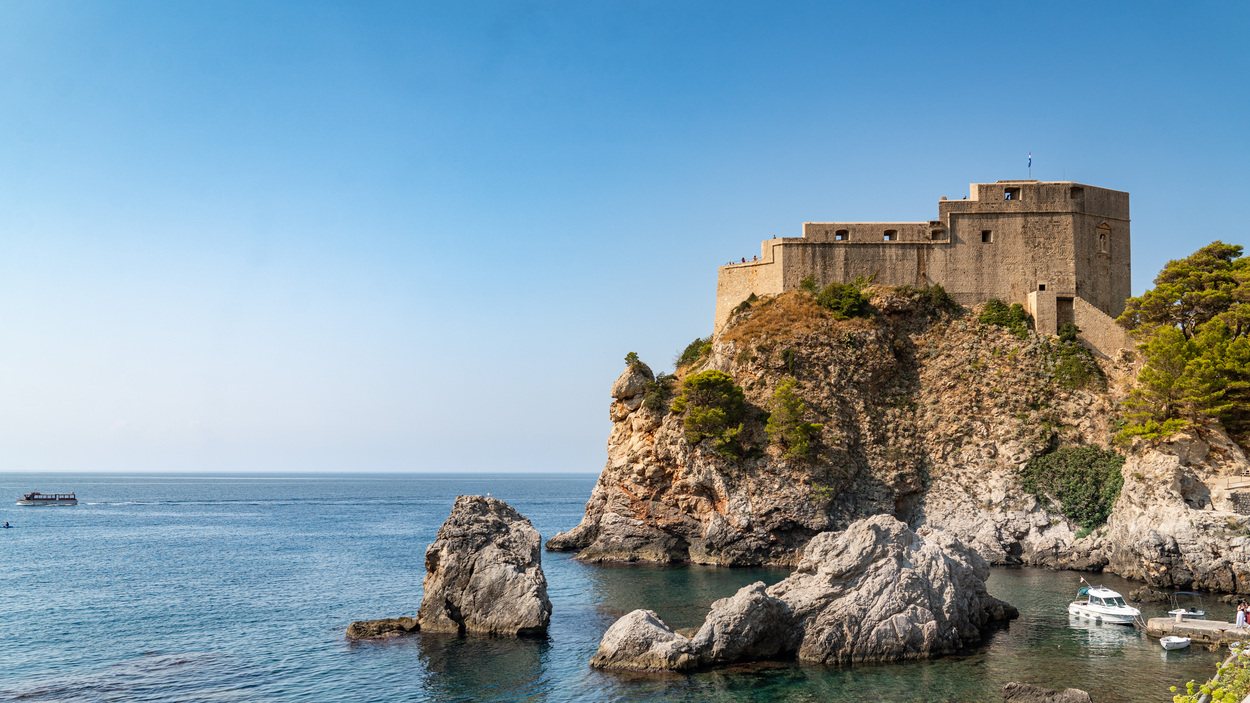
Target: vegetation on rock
1074 366
786 427
694 351
1014 318
845 300
657 393
715 407
1084 480
930 300
1192 328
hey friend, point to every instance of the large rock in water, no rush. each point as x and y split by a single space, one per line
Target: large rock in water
640 641
875 592
880 592
483 573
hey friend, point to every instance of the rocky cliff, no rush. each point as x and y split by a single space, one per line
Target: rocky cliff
926 415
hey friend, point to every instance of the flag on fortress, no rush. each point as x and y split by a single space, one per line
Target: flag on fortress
1030 159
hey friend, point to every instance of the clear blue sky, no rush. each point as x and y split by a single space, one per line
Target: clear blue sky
421 237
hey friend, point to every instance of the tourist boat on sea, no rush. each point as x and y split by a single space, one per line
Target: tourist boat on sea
1104 606
38 498
1188 606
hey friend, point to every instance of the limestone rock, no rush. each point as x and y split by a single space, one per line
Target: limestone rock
640 641
748 625
880 592
381 629
1026 693
484 573
632 382
876 592
1165 528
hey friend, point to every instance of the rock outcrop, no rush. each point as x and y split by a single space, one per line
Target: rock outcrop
640 641
1174 525
924 416
385 628
876 592
1026 693
483 573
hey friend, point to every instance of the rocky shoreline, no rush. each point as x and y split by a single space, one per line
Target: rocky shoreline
926 417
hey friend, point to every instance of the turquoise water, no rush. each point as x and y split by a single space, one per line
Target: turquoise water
239 588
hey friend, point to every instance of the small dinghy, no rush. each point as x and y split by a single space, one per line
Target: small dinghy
1174 642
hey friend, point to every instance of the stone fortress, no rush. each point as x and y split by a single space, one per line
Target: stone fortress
1059 248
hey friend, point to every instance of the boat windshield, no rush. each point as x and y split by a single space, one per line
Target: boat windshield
1117 601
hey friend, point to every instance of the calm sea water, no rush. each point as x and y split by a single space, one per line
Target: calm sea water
239 588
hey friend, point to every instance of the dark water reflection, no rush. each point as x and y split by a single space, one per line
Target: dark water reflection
239 589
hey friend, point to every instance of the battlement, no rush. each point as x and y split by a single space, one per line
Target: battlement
1006 240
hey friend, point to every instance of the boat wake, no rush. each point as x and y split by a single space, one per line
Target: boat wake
152 677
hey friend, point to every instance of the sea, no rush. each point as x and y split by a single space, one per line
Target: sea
222 587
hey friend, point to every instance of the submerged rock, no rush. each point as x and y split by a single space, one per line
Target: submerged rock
875 592
640 641
1026 693
381 629
483 573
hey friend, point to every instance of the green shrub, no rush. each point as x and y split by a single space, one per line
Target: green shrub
822 493
786 427
1085 481
1068 332
934 299
632 360
1014 318
715 407
844 300
694 351
1074 366
657 393
809 284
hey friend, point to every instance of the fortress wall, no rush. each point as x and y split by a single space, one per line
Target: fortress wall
868 232
1024 251
892 263
1098 330
736 282
1103 273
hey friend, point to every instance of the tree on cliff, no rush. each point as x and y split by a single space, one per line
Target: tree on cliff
714 407
786 427
1193 329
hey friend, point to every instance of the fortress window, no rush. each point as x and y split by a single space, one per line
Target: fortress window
987 236
1011 194
935 234
891 235
1076 192
840 235
1041 286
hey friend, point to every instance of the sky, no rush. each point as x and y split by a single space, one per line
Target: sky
370 236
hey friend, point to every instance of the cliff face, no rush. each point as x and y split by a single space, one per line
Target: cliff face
926 416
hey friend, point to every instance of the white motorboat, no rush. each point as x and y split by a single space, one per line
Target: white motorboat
1188 605
1174 642
1103 606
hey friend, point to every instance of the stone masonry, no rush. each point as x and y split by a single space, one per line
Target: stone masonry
1059 248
